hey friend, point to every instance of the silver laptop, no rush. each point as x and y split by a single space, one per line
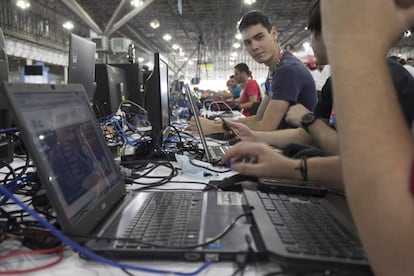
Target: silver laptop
213 154
89 197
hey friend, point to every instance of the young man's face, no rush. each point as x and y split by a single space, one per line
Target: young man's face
260 43
319 49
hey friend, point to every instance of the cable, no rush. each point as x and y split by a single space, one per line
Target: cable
57 249
90 254
207 168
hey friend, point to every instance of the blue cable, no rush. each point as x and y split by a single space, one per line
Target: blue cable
88 253
14 187
9 130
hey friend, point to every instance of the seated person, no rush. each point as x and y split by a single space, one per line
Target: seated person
289 81
325 170
251 90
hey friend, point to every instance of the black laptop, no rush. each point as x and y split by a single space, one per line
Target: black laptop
89 196
212 153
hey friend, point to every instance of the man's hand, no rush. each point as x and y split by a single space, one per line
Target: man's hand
241 130
207 125
263 161
295 113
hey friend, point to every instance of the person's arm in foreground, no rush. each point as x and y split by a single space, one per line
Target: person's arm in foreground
268 163
375 145
322 134
279 138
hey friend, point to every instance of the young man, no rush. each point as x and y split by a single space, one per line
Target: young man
289 81
315 128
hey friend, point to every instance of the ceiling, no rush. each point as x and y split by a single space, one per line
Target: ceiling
204 29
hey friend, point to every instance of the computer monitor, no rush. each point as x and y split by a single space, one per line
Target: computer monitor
82 63
157 96
6 148
111 88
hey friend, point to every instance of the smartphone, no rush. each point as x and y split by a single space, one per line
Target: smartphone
232 136
291 186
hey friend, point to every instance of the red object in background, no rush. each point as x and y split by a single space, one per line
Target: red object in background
309 61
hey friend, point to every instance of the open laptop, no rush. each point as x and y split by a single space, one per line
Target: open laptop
305 230
89 197
213 153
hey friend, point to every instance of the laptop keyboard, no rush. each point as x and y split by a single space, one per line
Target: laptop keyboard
305 227
171 219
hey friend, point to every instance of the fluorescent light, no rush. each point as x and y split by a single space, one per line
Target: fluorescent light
23 4
234 54
140 59
238 36
136 3
155 24
68 25
167 37
249 2
236 45
175 46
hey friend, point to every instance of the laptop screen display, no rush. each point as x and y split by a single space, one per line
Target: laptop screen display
75 160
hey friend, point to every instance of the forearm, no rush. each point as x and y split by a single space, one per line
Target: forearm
378 163
283 137
325 137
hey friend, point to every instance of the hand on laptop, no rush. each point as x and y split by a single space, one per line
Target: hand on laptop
207 125
241 130
267 162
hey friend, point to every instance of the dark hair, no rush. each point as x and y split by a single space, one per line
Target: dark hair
253 18
314 18
242 67
231 77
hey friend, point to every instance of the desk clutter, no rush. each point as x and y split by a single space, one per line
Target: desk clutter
110 191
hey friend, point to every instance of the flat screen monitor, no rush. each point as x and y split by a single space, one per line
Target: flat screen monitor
157 97
82 63
6 148
111 88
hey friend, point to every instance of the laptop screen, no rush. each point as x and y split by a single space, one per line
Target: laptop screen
73 159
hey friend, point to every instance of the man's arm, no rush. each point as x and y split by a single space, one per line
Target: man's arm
322 134
283 137
324 170
376 146
273 115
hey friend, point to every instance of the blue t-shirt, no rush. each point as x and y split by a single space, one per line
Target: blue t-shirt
236 92
292 82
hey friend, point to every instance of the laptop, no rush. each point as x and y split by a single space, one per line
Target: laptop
213 154
89 196
303 229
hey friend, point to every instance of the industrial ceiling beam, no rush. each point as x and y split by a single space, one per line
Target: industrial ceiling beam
128 17
115 15
79 11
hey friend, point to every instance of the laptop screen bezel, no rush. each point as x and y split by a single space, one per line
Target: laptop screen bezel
85 224
196 113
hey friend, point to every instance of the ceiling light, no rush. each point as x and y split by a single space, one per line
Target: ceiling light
23 4
136 3
238 36
306 45
140 59
175 46
181 53
236 45
407 33
150 64
231 63
167 37
155 24
190 62
234 54
68 25
249 2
